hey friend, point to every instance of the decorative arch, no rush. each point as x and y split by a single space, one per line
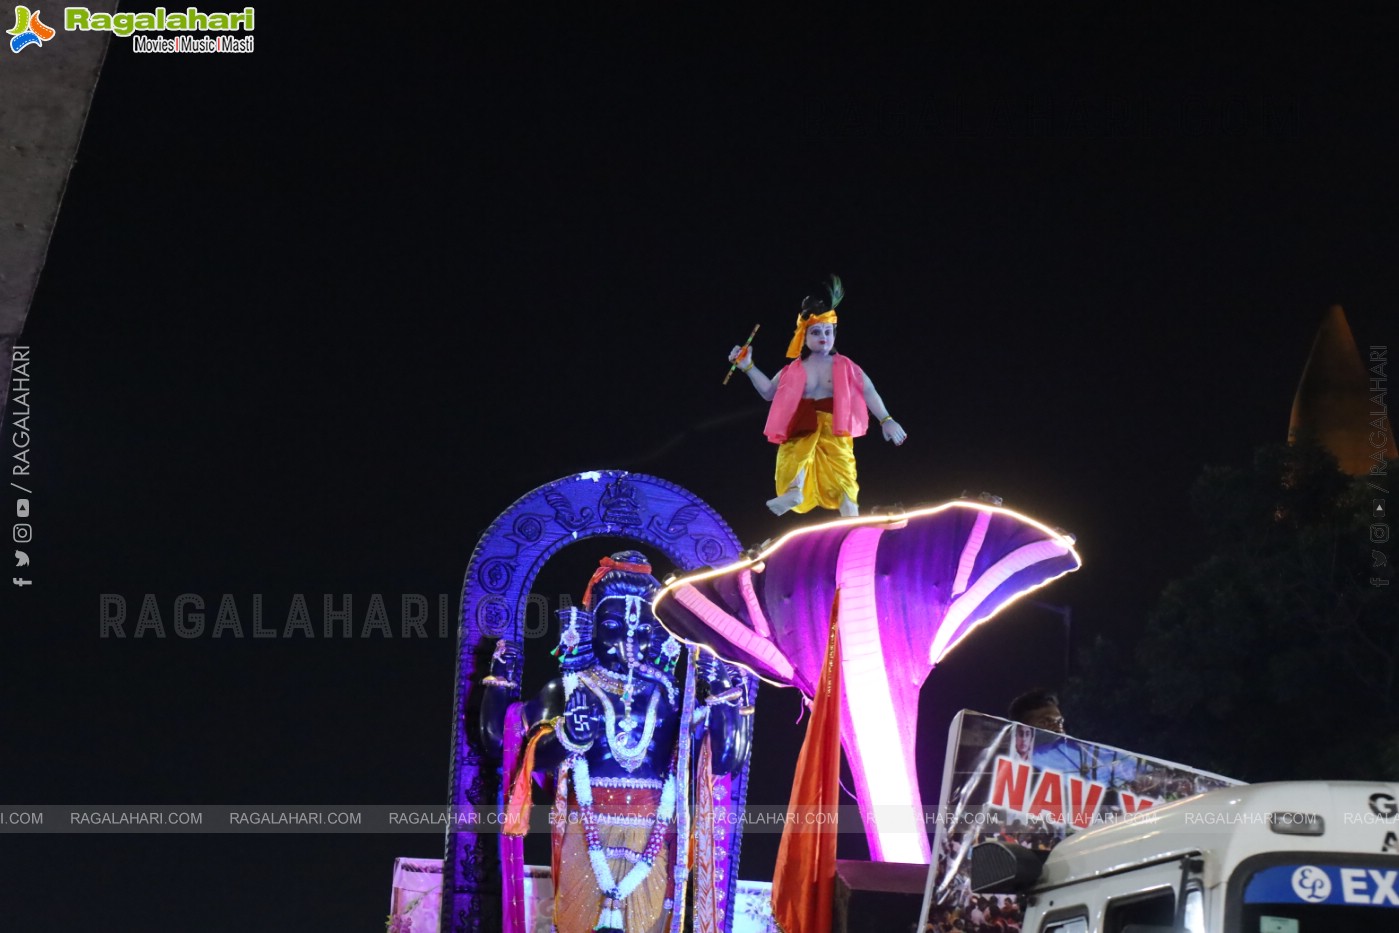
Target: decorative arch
660 515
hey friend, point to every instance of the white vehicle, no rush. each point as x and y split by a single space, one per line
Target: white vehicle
1293 857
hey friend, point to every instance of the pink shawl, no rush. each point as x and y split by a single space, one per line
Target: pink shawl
850 417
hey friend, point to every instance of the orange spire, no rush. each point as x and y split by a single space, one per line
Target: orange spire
1333 401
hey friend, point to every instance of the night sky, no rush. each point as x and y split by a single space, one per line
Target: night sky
312 317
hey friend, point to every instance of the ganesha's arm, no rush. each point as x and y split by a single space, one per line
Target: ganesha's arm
500 688
729 713
548 706
730 736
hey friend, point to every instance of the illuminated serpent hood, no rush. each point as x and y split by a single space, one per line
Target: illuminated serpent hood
912 585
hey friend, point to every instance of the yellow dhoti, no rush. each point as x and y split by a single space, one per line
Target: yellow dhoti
828 462
625 819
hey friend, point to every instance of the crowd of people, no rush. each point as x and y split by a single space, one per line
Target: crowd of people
981 914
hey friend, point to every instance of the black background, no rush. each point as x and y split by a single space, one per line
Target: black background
313 316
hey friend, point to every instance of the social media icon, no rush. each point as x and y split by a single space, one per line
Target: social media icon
1379 534
21 508
21 559
21 581
23 533
1377 508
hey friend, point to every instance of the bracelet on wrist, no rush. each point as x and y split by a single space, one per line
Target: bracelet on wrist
748 368
886 418
730 697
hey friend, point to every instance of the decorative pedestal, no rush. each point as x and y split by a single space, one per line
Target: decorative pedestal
416 904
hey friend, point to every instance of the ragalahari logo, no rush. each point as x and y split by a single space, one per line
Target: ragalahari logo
29 30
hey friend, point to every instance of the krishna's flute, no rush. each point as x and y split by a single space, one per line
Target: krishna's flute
740 353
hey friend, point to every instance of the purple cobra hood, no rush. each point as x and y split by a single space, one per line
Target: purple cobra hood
912 585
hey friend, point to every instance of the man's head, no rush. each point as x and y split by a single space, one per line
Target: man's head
818 309
1038 708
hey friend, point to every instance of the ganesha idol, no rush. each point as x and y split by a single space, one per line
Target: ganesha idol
626 741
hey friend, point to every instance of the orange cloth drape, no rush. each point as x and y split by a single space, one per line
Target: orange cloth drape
708 909
803 881
517 793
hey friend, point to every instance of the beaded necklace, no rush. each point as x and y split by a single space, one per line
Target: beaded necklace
616 684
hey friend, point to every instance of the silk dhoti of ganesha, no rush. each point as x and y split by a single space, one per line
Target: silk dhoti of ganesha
821 402
610 730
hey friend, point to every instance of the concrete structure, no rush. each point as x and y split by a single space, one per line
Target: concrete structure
45 93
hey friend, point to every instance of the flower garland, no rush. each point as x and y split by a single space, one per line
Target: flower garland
614 892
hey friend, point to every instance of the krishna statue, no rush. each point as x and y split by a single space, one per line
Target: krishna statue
821 402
